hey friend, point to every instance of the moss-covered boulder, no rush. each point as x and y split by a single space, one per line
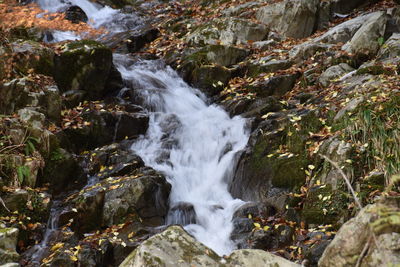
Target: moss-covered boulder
325 206
211 79
32 56
141 195
376 227
84 65
276 158
175 245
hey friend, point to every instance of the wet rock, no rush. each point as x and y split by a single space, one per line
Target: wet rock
75 14
374 222
181 213
290 18
242 228
175 245
138 40
72 176
8 245
272 238
366 40
210 79
86 66
147 195
260 171
314 253
334 72
104 127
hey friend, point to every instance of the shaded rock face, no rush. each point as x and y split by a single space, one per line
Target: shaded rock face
376 228
23 92
75 14
175 245
138 40
86 66
269 175
104 127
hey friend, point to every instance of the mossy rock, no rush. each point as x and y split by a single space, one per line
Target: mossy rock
325 206
32 55
211 79
83 65
375 70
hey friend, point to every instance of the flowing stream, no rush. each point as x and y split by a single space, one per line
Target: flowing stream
194 144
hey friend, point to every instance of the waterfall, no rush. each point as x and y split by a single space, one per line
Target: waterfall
195 149
194 144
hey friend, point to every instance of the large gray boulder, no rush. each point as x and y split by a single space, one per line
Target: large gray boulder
370 239
334 72
175 247
366 40
341 33
227 31
290 18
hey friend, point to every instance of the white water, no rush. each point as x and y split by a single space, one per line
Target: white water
200 155
205 144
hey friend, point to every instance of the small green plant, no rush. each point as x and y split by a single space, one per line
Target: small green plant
381 41
23 173
30 145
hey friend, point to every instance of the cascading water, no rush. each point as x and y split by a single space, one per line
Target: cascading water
196 150
193 143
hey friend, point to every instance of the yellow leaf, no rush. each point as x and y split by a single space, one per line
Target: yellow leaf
73 258
311 167
257 225
57 246
266 228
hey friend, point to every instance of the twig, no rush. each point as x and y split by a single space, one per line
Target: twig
345 178
363 252
4 204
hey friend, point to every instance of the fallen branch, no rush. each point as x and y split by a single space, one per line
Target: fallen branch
334 164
